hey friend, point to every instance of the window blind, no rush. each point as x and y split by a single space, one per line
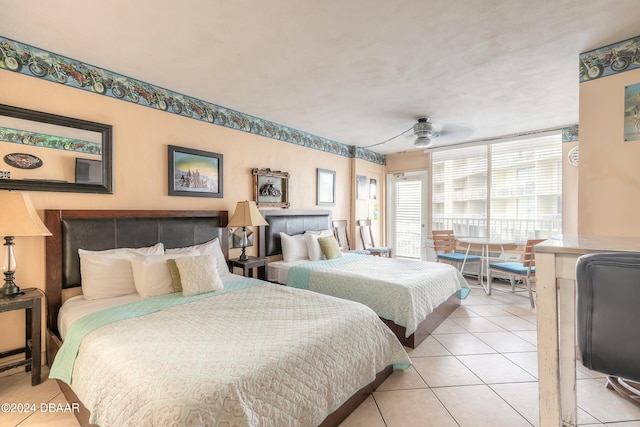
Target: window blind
408 218
506 190
459 191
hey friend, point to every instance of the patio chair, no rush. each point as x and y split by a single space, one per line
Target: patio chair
445 243
526 269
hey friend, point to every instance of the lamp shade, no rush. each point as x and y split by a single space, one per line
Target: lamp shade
18 217
246 214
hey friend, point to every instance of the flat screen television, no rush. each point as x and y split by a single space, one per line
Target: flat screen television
88 171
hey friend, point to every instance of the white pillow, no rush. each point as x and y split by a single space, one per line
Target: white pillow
198 275
151 274
294 248
313 247
108 273
212 247
157 249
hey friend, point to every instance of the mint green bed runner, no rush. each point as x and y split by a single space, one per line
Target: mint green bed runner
299 275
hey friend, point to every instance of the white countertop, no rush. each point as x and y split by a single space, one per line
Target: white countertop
584 244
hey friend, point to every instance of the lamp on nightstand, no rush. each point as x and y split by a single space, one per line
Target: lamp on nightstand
18 217
246 215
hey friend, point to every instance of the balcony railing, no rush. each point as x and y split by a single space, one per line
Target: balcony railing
409 244
514 229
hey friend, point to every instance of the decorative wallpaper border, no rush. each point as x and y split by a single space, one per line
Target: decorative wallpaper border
570 134
612 59
34 62
25 137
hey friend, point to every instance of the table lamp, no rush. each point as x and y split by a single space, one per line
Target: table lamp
18 217
246 215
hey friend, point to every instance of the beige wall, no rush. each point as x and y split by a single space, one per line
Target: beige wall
140 138
369 208
608 175
408 161
569 192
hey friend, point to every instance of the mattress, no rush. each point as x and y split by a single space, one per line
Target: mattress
262 355
278 271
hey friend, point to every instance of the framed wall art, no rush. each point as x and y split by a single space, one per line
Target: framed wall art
271 188
326 188
632 112
373 189
361 187
195 173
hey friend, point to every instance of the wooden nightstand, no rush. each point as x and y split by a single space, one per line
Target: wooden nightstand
31 302
248 266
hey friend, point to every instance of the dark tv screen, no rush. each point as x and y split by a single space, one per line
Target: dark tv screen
88 171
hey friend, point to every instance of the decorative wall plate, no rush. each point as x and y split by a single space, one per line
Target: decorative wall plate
23 161
573 156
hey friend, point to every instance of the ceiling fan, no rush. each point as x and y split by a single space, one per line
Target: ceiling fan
426 132
423 130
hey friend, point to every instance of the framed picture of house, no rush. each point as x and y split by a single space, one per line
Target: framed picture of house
194 173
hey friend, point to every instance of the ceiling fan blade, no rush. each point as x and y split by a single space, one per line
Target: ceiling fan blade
449 133
441 134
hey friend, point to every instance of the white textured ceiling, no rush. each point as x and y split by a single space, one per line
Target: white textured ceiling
355 71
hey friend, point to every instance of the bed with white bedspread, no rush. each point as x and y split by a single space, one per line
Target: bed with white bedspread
401 290
261 355
411 297
243 353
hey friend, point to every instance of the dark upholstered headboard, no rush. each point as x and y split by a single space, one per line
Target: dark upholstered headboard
289 222
98 230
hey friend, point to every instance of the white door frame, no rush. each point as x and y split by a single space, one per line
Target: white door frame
392 178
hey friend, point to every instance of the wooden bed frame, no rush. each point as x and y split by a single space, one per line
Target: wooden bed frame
298 221
107 229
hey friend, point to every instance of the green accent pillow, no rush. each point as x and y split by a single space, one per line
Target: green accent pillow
329 247
175 274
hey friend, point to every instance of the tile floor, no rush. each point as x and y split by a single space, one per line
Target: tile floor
479 368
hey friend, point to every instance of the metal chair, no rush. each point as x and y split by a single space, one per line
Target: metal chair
366 237
444 243
525 269
341 234
608 291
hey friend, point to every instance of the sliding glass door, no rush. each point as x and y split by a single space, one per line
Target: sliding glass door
407 213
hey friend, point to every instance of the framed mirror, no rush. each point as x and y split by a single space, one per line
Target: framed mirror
46 152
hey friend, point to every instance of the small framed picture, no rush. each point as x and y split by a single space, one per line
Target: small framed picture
271 188
373 189
194 173
361 188
326 188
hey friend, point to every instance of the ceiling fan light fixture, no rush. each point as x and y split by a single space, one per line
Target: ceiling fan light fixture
423 130
422 141
423 127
